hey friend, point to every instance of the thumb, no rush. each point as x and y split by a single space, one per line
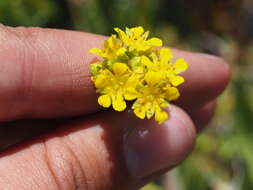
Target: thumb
99 153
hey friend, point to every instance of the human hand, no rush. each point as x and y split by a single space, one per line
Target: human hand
45 74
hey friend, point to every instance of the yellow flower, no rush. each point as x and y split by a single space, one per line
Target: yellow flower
179 67
115 86
136 39
133 69
112 49
166 67
152 98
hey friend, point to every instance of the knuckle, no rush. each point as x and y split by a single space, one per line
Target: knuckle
64 166
18 57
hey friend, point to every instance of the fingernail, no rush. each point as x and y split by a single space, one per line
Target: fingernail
151 148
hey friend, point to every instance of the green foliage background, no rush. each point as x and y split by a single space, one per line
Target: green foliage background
223 158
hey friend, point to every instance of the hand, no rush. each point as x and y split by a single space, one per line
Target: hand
45 74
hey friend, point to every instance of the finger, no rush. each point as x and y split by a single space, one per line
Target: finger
205 79
99 153
16 131
45 73
203 116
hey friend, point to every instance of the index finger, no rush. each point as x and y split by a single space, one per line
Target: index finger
45 73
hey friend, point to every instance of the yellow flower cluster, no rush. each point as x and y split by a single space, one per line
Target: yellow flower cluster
135 69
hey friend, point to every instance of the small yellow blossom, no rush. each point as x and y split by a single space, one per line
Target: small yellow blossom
136 39
134 69
166 67
115 85
112 49
151 98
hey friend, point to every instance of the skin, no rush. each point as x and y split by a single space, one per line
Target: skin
45 84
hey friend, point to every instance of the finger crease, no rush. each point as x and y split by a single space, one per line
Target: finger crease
49 166
78 164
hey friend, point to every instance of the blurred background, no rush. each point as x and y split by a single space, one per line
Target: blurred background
223 157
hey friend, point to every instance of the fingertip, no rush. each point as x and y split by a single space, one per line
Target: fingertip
221 72
206 78
149 149
225 74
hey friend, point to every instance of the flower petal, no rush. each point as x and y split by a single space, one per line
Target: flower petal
150 110
119 68
132 81
105 101
96 51
101 81
119 103
152 78
154 42
177 80
111 42
180 66
140 112
130 93
121 51
165 55
137 31
172 93
161 116
122 35
130 96
146 61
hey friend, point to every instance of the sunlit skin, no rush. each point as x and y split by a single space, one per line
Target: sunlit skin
45 74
